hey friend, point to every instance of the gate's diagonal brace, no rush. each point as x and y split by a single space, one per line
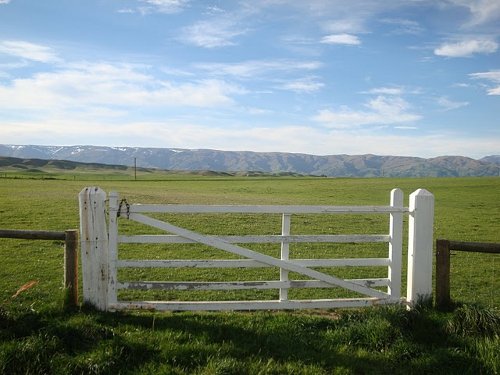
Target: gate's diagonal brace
266 259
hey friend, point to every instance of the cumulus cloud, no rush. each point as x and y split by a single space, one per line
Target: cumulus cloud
347 39
29 51
467 48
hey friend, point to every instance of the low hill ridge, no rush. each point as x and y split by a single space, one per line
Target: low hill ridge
368 165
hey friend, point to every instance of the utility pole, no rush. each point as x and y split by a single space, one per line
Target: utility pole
135 169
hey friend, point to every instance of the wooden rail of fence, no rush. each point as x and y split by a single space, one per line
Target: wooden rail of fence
70 238
443 248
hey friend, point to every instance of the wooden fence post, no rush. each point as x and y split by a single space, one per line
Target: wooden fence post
395 245
443 299
94 247
420 246
71 268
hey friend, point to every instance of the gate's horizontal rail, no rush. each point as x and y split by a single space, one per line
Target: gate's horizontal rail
248 305
241 285
354 238
248 263
297 209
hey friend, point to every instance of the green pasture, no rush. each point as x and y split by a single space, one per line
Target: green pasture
467 209
347 342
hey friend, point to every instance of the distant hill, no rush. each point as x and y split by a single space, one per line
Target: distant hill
492 159
263 162
43 164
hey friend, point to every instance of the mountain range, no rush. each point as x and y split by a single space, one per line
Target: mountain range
269 162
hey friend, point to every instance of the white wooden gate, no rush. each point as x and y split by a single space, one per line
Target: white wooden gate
100 262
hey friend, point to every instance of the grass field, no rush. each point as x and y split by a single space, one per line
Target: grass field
38 336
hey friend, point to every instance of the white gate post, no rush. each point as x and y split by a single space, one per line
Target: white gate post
94 246
285 254
395 245
420 245
113 246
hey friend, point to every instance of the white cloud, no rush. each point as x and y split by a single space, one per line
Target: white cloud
29 51
382 110
403 26
165 6
493 76
494 91
126 11
461 85
385 91
305 85
257 68
482 11
83 87
212 34
347 39
4 1
346 25
467 48
448 105
405 127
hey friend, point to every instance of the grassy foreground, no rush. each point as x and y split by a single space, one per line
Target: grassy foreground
372 341
38 336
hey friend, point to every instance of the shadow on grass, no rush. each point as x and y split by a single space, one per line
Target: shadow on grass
371 341
62 342
380 340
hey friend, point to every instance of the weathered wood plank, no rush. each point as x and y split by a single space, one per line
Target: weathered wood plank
32 234
260 209
285 254
475 247
395 245
113 247
443 299
71 267
94 246
249 263
240 285
248 305
327 238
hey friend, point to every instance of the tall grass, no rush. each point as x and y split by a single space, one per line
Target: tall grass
474 320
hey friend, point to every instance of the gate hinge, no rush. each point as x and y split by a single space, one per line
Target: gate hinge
127 206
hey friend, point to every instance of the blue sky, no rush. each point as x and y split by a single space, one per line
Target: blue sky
395 77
